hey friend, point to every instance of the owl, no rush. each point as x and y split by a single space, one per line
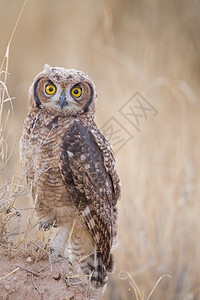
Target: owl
70 168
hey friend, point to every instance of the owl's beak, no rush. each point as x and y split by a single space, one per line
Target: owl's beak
62 100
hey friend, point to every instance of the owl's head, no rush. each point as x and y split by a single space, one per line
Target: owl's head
63 91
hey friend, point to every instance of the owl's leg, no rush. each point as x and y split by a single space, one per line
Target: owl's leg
60 242
88 258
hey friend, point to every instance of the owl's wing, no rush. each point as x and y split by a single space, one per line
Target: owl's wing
92 182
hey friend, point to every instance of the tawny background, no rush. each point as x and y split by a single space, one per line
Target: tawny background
151 47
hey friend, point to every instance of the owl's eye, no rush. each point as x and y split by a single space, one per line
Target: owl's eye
50 89
76 92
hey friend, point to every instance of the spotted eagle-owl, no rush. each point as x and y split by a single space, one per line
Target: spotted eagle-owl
71 170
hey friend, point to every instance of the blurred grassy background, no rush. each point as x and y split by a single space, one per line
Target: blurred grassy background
127 46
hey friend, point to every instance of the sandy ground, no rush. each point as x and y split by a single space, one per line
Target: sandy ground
29 281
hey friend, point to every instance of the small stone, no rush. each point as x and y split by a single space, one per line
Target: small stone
7 287
15 278
29 259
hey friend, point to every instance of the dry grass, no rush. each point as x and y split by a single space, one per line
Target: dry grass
125 46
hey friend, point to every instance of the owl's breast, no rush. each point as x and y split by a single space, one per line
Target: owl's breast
42 151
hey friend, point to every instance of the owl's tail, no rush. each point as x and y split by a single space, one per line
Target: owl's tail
99 276
91 264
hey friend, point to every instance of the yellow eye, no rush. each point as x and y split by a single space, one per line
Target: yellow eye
76 92
50 89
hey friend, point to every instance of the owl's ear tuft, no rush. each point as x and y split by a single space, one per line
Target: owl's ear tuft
47 68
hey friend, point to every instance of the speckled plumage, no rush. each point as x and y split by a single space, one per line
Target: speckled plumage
71 169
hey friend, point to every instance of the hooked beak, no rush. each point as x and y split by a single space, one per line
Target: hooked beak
62 100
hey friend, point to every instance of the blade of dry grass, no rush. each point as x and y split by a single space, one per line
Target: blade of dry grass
4 277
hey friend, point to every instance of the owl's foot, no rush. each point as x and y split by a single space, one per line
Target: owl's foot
49 251
46 225
56 251
52 250
60 242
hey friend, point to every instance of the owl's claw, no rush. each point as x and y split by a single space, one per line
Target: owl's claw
46 225
56 252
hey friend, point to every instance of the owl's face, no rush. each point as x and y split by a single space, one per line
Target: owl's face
63 91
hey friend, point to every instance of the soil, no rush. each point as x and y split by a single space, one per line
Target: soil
22 278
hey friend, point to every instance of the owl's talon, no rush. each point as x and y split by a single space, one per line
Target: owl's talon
46 225
58 252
